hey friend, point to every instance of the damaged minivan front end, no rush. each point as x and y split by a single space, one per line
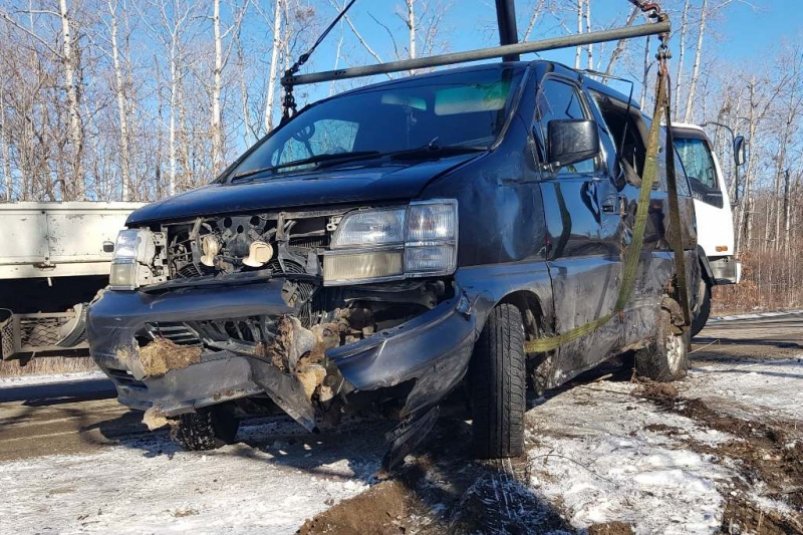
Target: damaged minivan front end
307 309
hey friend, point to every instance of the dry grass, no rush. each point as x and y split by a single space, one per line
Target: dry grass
48 365
771 280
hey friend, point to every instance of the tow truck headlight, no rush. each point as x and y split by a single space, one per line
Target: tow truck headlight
419 240
133 253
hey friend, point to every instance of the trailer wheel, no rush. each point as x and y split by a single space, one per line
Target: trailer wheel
498 383
703 308
666 358
205 429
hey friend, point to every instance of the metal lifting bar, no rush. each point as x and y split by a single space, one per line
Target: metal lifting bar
642 30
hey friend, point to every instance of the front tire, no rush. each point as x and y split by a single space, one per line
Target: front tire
206 429
666 358
703 308
498 383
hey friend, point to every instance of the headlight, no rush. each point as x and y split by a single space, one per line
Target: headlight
364 229
417 241
133 254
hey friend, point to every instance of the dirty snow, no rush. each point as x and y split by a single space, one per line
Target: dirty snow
29 380
754 316
606 456
750 388
146 485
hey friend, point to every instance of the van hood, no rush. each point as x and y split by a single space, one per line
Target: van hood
385 181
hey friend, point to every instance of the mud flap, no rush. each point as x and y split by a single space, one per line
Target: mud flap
285 391
407 435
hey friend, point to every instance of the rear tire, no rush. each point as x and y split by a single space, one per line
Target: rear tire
205 429
666 358
703 308
498 384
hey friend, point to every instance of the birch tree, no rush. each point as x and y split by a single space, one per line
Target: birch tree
278 43
71 65
698 54
121 99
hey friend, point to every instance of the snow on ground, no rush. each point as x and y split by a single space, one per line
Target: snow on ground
750 388
754 316
146 485
605 456
29 380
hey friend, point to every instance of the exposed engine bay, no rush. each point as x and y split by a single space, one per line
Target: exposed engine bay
279 243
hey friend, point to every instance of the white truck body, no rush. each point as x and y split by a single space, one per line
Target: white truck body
52 252
52 239
712 204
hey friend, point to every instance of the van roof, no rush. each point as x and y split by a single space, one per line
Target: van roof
543 66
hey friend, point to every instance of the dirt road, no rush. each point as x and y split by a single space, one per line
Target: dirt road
719 452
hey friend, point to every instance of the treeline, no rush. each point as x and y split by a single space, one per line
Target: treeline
139 99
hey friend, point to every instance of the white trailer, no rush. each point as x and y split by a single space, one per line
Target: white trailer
54 257
713 209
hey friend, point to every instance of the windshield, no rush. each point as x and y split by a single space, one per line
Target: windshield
453 110
698 163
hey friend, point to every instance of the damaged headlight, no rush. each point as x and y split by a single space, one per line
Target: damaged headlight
133 254
419 240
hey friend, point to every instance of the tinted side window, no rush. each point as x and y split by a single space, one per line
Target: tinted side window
558 101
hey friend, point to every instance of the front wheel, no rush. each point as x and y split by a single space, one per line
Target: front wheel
206 429
498 383
703 310
666 358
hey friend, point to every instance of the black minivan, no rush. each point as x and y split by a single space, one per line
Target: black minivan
389 244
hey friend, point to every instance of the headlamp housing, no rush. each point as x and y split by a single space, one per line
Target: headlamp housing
419 240
134 253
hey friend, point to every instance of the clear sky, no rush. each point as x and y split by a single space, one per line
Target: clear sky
743 31
744 34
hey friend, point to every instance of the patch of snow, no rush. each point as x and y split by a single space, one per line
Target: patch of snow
29 380
147 486
755 315
750 388
606 456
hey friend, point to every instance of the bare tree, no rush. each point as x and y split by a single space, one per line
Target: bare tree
278 39
684 26
698 54
121 97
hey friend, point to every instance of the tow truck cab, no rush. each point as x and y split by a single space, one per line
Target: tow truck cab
713 210
392 243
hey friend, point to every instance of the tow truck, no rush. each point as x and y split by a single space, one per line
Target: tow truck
713 210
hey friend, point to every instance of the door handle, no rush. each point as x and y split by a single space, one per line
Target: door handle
615 203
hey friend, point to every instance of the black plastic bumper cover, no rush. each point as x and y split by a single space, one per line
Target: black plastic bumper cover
433 348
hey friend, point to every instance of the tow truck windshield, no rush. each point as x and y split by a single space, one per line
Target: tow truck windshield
427 116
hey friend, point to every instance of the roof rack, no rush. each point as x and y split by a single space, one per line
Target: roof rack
554 43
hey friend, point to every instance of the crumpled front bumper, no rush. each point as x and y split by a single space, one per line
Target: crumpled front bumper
433 349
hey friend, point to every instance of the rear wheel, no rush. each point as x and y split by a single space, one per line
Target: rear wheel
498 382
703 307
206 429
666 358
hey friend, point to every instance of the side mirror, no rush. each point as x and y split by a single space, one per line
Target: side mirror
571 141
739 149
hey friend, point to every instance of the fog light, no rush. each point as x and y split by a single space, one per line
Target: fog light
354 267
123 275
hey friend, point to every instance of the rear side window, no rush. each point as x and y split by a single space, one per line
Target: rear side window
559 101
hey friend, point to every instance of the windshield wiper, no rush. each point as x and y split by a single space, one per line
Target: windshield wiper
434 149
319 159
